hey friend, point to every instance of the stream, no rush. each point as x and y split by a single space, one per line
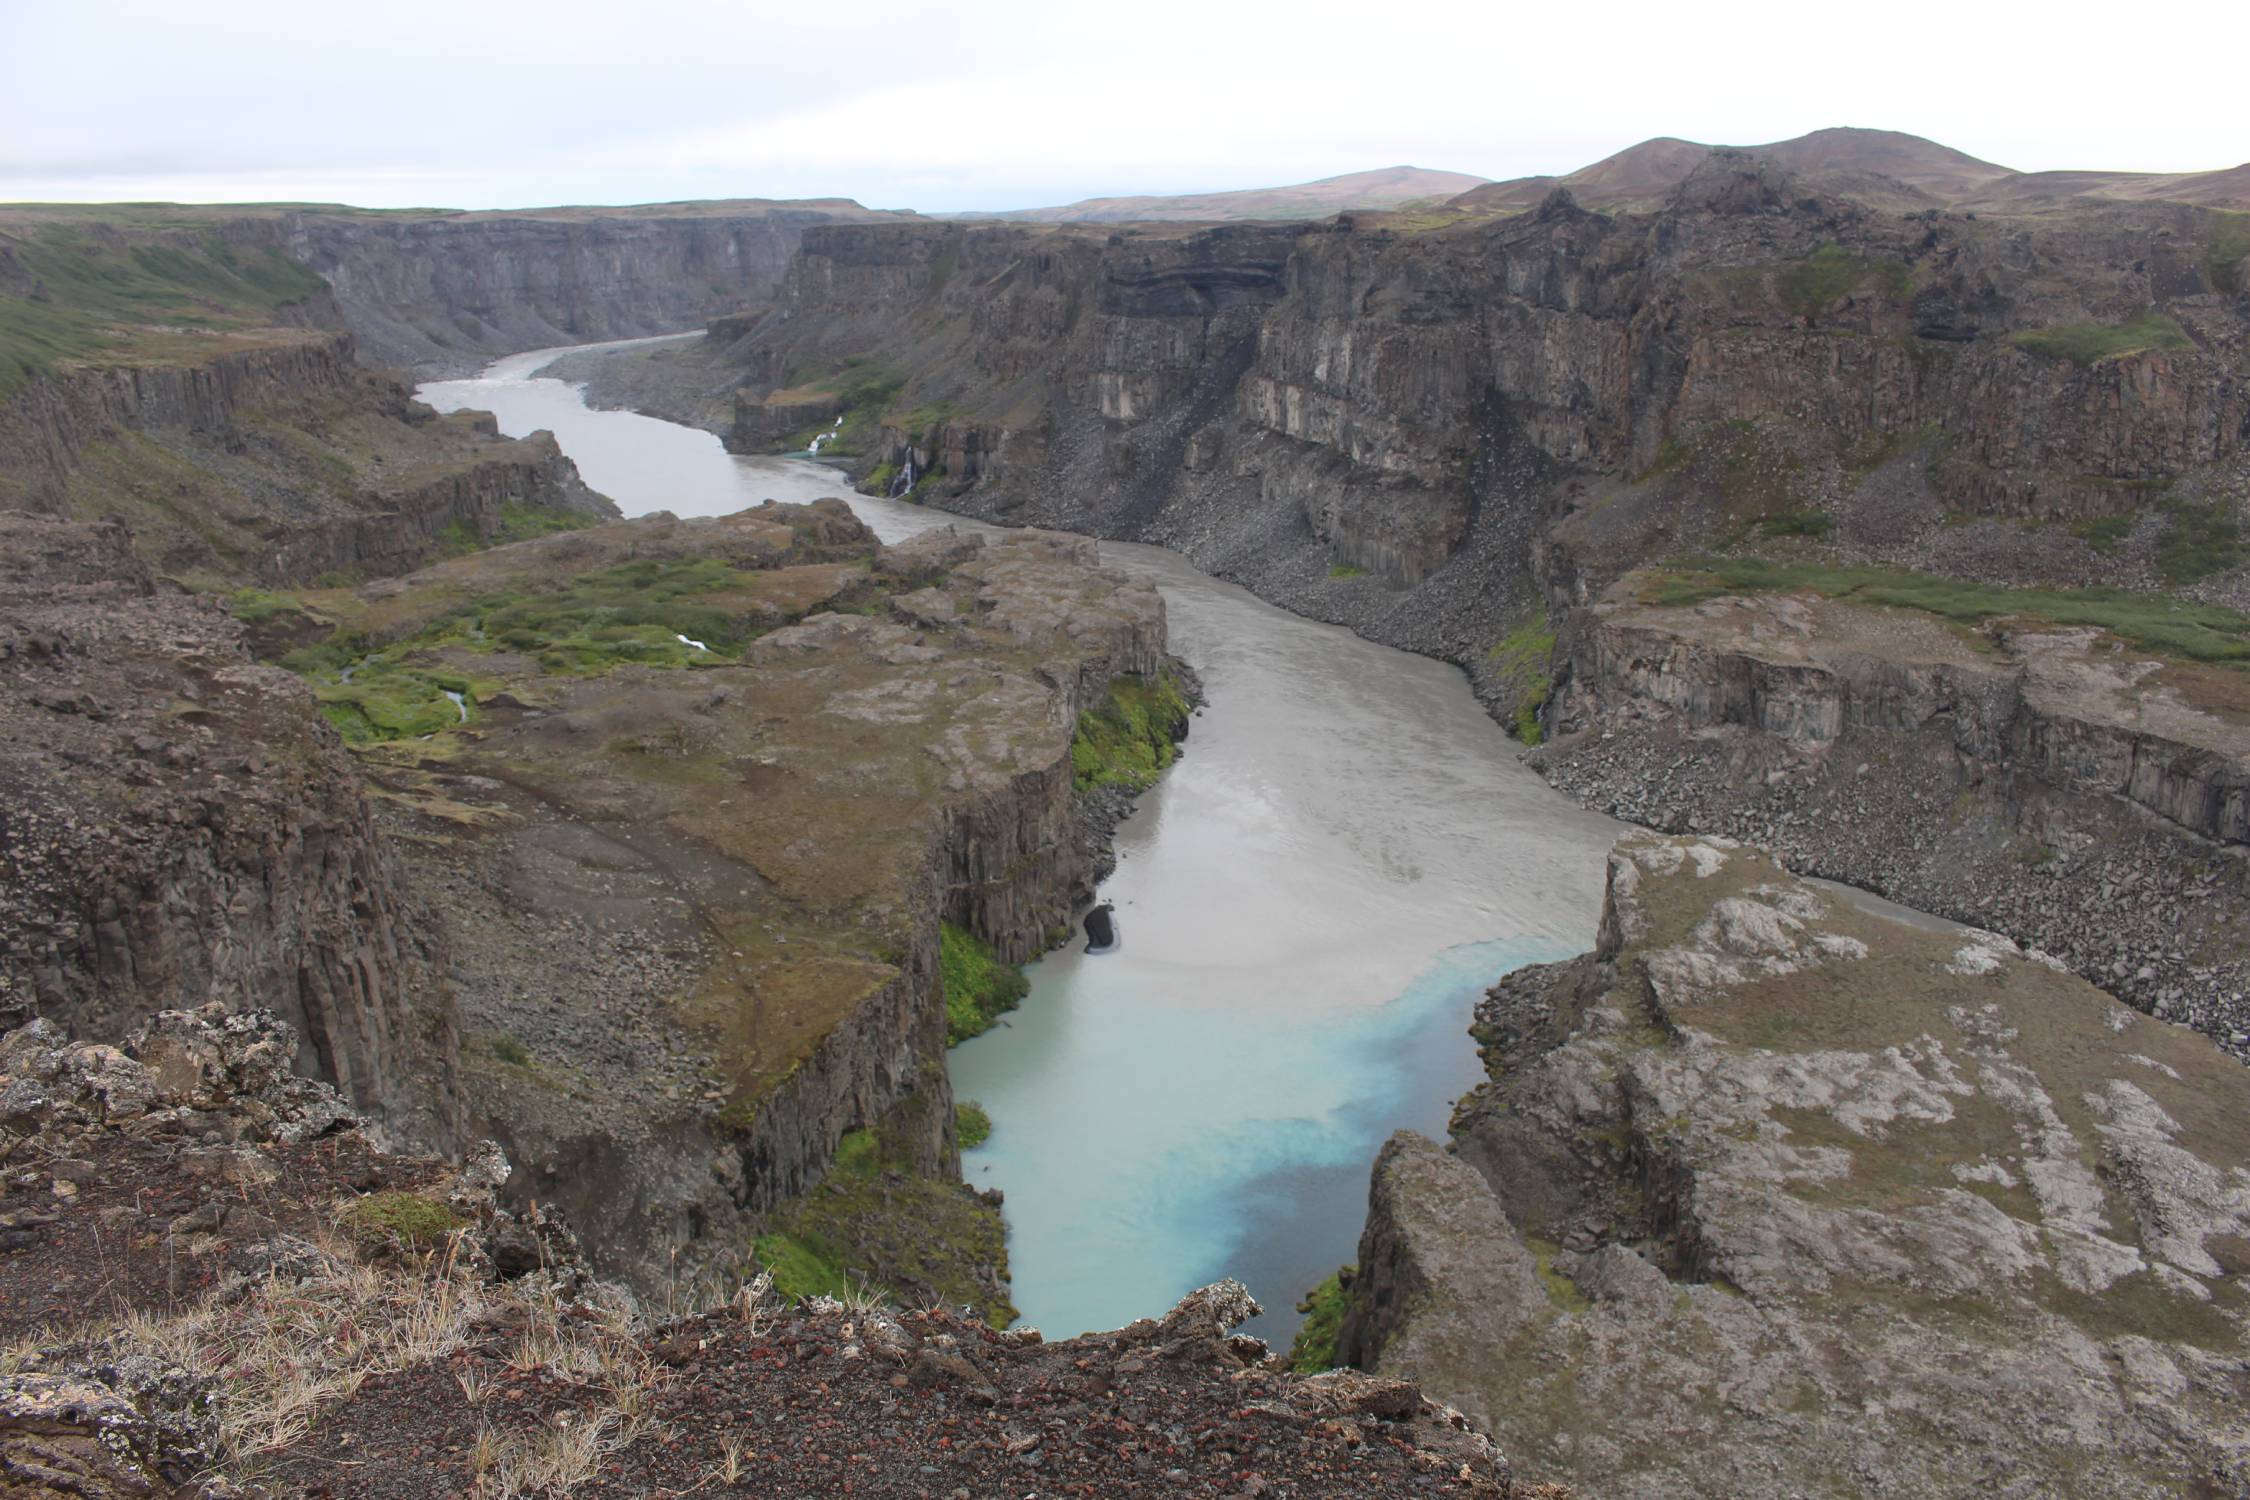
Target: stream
1346 855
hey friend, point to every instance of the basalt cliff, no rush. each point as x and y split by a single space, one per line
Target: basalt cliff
1978 481
1831 1202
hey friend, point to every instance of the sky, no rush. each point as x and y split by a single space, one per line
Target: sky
996 104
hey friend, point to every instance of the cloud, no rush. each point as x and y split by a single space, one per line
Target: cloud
999 103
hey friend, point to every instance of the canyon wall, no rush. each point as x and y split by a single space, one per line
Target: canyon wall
446 293
1374 395
272 458
1458 439
181 828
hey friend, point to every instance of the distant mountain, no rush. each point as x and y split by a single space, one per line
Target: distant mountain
1886 167
1385 187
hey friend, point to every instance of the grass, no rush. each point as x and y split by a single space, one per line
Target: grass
1812 285
256 606
2089 343
94 298
2199 541
971 1124
395 1218
2105 533
517 523
873 1226
1808 523
1314 1348
979 989
1525 656
2158 623
1132 736
2227 249
634 613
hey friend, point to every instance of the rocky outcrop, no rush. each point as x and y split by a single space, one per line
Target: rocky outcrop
695 912
2044 782
1815 1191
181 828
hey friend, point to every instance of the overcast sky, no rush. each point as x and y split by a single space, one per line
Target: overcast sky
1000 104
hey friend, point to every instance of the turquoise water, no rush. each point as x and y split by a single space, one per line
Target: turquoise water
1205 1143
1310 902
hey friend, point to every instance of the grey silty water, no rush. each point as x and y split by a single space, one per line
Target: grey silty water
1310 902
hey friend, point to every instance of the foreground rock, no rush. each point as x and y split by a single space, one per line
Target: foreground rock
179 827
310 1316
1824 1199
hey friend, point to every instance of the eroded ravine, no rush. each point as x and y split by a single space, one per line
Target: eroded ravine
1311 901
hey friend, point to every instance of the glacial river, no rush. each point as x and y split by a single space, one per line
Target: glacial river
1311 901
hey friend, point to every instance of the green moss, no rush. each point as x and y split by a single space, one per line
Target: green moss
2089 343
1812 285
879 479
1561 1290
2198 542
1796 523
2104 533
516 522
395 1218
2227 249
873 1224
634 613
799 1269
511 1051
979 989
1314 1348
971 1124
1132 736
256 606
1524 658
1671 455
1346 570
2152 622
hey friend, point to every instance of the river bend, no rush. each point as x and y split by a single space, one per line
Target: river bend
1311 901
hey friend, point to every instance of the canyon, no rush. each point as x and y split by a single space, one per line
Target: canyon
1844 508
1472 435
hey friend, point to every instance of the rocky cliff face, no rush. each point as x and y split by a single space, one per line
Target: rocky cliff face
1817 1193
1449 438
274 463
695 909
181 828
2040 781
444 294
1377 393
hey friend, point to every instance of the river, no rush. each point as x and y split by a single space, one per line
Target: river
1310 902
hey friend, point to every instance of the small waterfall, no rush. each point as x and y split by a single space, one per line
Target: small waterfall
822 440
904 483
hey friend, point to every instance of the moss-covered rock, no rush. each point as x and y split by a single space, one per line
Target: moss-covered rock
979 989
874 1225
1132 735
398 1220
